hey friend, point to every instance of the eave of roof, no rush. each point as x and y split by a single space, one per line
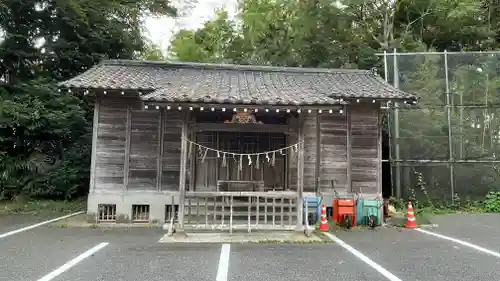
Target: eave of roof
226 83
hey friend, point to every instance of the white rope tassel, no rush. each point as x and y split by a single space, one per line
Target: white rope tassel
249 160
200 151
257 162
203 150
224 161
240 164
274 159
204 156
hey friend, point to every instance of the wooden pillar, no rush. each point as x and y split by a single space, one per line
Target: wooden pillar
348 113
379 151
318 155
182 176
300 174
128 133
159 160
192 162
93 159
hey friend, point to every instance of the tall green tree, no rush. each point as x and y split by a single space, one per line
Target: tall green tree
287 33
45 134
317 33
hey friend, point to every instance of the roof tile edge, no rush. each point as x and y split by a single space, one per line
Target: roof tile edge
233 67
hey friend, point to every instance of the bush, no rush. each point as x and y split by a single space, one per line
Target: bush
44 142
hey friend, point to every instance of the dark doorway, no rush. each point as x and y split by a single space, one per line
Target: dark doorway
386 165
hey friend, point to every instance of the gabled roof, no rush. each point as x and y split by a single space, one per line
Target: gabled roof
238 84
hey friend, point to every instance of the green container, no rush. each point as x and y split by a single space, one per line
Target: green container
369 208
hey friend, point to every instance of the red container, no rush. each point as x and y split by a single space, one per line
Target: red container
342 207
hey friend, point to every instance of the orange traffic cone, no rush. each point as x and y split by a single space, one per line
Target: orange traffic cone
323 226
412 223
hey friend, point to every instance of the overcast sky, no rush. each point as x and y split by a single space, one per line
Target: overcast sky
194 15
160 30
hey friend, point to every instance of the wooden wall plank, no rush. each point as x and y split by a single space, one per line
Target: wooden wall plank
171 150
110 144
143 149
309 130
159 156
365 148
128 131
93 159
334 154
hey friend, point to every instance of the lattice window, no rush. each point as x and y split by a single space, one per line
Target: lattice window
107 213
140 213
171 211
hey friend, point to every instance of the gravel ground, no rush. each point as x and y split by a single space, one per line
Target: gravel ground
297 262
411 255
13 222
480 229
134 254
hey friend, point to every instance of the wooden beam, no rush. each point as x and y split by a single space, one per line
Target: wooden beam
300 174
128 133
266 194
182 176
349 148
93 159
379 153
159 159
192 162
262 108
234 127
318 155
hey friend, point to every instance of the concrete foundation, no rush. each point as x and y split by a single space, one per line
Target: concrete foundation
124 200
157 201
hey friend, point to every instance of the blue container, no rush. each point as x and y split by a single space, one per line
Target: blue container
360 218
313 211
367 208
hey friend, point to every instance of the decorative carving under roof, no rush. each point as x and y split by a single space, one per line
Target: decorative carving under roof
243 117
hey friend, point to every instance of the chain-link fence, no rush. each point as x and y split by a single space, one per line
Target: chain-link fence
447 147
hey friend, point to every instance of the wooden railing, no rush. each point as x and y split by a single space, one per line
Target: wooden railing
241 210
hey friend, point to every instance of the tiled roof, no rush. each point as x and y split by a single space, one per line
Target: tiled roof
213 83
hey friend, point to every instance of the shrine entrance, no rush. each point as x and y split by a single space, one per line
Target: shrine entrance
243 168
236 164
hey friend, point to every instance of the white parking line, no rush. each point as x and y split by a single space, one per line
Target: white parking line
364 258
38 224
73 262
461 242
223 263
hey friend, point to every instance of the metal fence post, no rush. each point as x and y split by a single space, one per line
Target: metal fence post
397 178
450 138
389 124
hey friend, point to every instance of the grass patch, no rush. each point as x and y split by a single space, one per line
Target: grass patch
297 242
41 207
61 225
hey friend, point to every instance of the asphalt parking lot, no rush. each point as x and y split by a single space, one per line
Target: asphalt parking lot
68 254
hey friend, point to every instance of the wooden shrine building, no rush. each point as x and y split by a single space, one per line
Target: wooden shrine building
228 146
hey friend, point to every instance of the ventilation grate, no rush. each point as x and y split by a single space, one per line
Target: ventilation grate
107 213
140 213
171 211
